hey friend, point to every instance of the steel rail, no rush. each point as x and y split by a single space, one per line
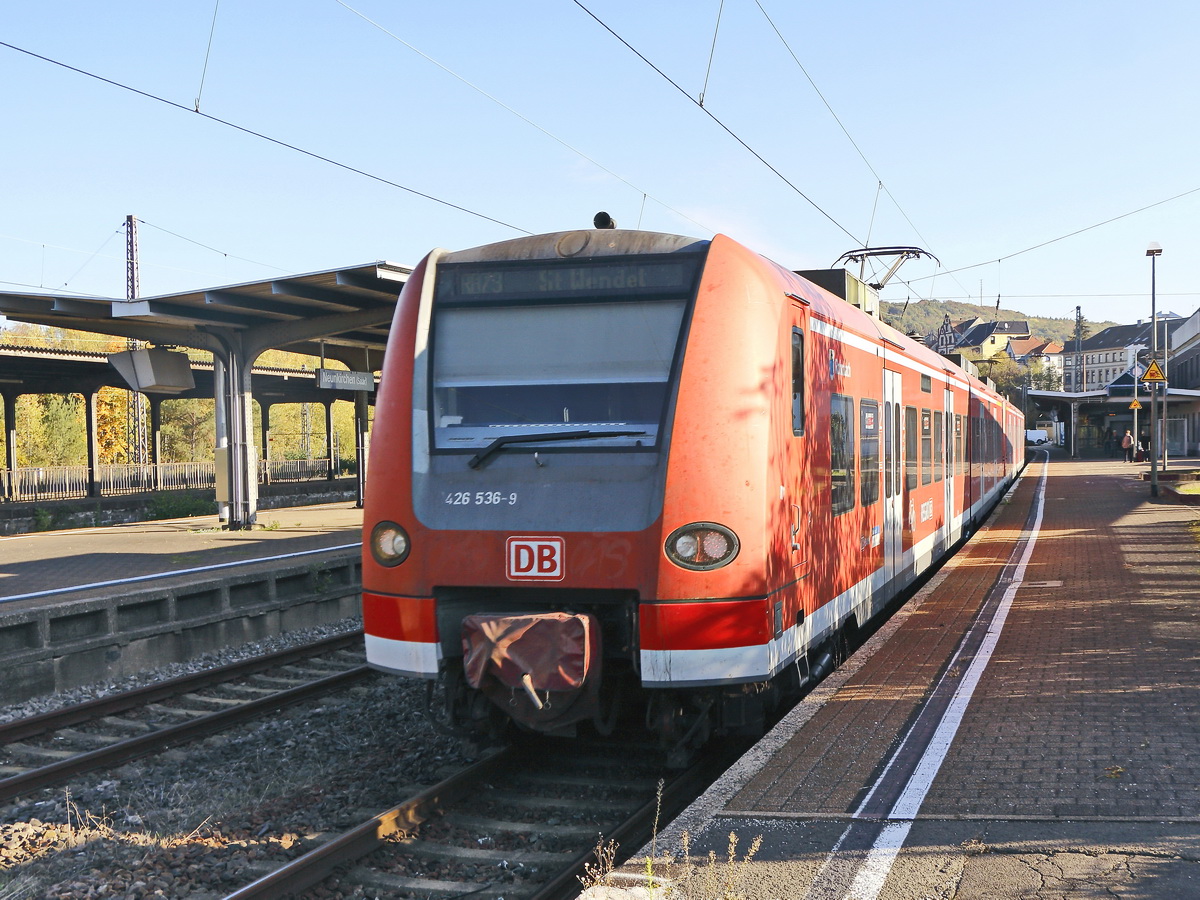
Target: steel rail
20 729
319 863
313 867
635 831
123 751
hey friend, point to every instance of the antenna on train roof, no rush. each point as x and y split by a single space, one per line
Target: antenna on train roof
604 220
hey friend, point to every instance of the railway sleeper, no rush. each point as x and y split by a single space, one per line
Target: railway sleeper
424 887
477 856
175 712
484 823
28 751
555 780
89 739
519 800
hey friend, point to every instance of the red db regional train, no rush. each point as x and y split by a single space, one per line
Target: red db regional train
613 466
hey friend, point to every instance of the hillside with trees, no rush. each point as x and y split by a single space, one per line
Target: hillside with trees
926 317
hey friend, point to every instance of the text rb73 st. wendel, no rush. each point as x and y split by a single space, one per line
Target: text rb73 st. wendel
612 467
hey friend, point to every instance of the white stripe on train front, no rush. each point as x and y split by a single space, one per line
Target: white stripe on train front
403 657
696 668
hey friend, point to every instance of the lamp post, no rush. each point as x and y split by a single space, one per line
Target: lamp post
1154 251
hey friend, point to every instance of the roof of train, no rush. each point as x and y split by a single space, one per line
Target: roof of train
592 243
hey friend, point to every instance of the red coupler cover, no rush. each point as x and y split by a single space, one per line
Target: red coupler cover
555 649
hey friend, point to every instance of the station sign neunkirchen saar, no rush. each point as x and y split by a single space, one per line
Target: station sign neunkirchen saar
340 380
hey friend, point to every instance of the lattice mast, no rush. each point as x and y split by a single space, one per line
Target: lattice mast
135 407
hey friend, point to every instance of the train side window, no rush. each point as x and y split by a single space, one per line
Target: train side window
868 423
950 461
958 443
841 452
939 450
797 382
887 450
910 447
898 458
926 447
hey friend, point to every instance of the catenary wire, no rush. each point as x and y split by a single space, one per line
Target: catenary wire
1063 237
88 261
720 124
265 137
213 249
712 51
520 116
882 186
207 53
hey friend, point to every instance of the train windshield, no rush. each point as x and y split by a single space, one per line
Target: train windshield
555 349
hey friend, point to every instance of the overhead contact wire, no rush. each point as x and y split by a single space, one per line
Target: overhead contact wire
1132 212
523 118
207 53
712 52
720 124
213 249
882 186
265 137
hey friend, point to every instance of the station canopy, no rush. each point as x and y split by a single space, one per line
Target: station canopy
341 314
345 311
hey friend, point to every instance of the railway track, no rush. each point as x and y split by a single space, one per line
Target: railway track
48 749
517 824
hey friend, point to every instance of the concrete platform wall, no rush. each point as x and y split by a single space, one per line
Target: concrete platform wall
65 645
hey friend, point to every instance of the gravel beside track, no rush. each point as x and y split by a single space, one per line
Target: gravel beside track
194 821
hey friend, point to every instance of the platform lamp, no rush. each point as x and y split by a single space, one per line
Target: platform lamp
1153 251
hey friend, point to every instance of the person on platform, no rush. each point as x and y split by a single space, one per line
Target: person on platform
1127 445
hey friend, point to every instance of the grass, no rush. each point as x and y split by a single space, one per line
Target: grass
671 877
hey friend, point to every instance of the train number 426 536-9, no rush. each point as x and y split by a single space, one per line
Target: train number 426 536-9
481 498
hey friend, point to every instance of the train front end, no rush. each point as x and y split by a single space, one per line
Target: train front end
514 518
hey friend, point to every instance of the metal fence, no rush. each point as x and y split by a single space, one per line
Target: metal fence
46 483
292 470
71 482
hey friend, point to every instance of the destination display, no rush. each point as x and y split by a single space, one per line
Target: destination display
472 283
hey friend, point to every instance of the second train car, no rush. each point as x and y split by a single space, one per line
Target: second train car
613 466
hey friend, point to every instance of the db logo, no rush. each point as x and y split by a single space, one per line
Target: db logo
535 557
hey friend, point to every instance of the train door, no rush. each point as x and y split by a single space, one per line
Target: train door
799 505
893 495
946 461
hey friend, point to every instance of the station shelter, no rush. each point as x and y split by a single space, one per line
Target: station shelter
1092 418
338 314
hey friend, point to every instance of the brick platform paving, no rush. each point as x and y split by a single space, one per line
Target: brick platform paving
1090 706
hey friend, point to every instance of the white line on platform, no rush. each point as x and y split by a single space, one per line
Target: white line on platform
175 572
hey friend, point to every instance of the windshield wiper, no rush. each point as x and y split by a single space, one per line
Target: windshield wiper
501 442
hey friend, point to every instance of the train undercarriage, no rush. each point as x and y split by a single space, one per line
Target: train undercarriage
497 687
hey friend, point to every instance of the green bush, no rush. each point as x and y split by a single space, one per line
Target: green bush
180 505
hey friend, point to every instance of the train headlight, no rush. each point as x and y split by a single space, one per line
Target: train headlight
389 544
701 546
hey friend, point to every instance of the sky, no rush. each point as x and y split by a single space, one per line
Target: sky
1033 148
